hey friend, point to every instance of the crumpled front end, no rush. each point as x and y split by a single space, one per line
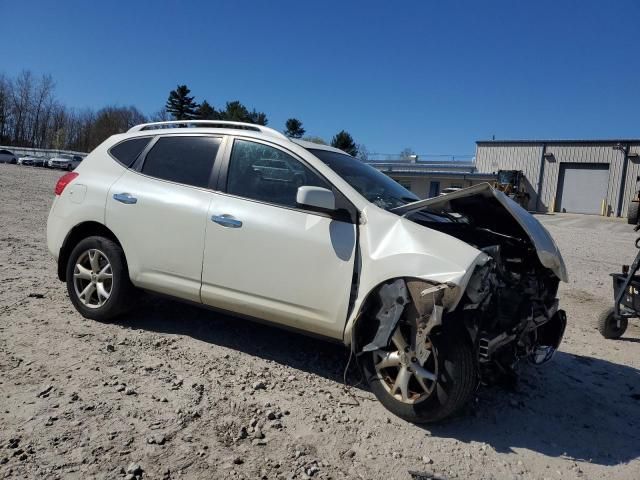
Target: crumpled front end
491 210
483 263
509 306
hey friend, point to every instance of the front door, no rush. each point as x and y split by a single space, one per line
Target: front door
159 214
267 257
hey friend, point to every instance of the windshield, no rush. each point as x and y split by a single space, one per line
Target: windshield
373 185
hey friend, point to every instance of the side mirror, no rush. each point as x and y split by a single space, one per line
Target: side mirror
316 197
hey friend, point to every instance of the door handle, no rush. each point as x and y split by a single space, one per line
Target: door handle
226 221
125 198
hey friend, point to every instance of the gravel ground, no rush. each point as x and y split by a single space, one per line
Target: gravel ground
173 391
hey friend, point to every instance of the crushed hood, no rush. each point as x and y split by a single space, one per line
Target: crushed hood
491 208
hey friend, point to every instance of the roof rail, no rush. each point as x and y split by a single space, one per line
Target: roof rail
208 123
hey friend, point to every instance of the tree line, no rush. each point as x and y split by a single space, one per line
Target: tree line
31 116
182 106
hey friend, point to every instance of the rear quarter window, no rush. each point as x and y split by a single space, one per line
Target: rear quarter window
182 159
128 151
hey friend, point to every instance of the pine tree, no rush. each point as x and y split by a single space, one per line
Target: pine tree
207 112
294 128
180 105
344 141
259 118
235 112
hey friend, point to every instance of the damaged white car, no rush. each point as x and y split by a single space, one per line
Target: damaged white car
432 296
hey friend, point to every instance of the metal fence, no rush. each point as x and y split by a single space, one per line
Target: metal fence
39 152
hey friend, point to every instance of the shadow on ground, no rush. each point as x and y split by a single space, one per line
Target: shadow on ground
578 407
312 355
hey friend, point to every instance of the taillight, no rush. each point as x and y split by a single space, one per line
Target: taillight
63 181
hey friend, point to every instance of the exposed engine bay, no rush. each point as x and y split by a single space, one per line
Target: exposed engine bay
509 306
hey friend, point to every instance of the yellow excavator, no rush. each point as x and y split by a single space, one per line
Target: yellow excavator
511 182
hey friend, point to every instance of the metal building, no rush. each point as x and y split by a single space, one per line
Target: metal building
428 178
580 176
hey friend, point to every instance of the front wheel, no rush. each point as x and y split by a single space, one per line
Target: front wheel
423 385
610 327
98 279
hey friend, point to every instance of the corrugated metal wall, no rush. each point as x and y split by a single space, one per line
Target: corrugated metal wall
527 157
631 185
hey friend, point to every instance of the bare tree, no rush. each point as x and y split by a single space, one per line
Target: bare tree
161 116
5 108
42 95
21 100
58 127
363 152
111 120
406 153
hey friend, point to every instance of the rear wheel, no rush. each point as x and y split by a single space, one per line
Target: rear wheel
98 279
610 327
423 384
632 212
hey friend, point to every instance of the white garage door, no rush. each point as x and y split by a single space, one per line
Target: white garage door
582 187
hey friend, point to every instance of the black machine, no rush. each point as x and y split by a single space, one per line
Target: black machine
613 321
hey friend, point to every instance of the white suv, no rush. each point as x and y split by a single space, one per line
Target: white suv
432 296
64 161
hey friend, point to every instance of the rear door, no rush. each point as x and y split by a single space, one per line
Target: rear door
266 256
158 210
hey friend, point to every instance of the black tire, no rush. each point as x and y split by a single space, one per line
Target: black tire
632 213
608 325
122 290
456 382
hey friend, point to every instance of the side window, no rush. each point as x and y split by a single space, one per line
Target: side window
187 160
264 173
127 152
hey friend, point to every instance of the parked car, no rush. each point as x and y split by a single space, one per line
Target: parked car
64 161
31 161
39 161
277 170
431 296
7 156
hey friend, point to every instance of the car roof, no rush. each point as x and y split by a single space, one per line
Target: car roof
316 146
223 127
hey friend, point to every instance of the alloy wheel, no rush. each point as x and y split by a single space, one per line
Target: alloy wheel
406 377
93 278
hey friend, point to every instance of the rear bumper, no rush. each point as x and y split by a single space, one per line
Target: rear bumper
56 231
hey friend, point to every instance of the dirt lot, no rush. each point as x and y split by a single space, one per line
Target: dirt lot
187 393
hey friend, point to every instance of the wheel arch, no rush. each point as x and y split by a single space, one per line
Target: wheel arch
75 235
360 324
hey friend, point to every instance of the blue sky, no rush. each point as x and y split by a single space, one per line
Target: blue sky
432 76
